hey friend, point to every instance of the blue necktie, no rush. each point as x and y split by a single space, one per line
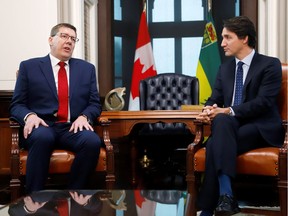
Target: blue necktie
239 84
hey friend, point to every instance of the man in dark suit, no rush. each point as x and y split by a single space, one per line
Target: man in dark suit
240 120
49 124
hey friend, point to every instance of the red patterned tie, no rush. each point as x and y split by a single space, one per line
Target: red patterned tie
62 207
62 94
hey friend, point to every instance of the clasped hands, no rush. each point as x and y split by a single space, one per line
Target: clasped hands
33 121
209 112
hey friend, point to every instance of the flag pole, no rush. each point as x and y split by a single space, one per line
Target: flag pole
144 6
209 5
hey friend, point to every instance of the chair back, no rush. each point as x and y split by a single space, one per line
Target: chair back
282 99
168 91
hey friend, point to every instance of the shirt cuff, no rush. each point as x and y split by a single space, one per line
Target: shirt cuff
31 113
231 113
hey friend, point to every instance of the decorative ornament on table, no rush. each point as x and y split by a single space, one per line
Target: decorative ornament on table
114 99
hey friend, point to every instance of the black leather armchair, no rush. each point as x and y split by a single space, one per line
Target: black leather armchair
164 143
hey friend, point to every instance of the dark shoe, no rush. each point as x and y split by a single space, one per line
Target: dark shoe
226 206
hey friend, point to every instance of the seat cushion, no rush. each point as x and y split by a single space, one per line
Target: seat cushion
61 161
262 161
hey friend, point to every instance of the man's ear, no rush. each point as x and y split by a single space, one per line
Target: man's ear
50 41
246 39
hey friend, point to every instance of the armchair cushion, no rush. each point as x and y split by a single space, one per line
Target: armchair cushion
61 161
262 161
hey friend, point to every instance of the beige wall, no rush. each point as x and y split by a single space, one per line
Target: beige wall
273 28
25 27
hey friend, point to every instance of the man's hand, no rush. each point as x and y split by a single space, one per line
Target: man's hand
32 206
80 198
204 117
209 113
80 123
32 121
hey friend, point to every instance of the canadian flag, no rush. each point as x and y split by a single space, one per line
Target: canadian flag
144 65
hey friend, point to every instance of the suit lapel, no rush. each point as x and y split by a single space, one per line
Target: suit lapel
74 73
230 80
48 73
250 74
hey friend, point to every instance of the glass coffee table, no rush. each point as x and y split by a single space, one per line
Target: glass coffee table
100 202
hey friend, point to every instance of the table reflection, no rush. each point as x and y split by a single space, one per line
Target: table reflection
100 202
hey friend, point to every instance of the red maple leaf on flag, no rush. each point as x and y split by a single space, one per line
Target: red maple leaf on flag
144 65
138 76
139 199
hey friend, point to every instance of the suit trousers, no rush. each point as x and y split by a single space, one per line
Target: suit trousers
229 137
43 140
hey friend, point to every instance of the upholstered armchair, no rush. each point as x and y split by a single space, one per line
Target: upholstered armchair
61 160
270 161
167 91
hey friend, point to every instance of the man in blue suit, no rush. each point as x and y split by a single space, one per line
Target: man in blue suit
35 106
240 120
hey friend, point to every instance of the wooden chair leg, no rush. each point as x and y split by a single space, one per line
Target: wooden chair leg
191 181
15 183
282 183
110 173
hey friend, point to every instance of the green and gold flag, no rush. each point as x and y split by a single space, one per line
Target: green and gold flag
209 60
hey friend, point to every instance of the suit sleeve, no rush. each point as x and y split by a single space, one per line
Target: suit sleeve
261 93
18 108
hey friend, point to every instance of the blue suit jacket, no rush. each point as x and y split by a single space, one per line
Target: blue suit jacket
35 91
259 100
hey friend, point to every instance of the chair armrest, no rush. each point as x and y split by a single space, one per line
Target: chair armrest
15 160
105 123
14 125
285 143
199 135
110 177
191 150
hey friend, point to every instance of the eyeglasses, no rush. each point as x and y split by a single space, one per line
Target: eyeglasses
65 37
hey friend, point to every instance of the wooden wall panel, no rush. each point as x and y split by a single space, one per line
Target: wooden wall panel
5 143
5 131
5 98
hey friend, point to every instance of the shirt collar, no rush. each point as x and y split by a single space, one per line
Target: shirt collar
248 59
55 61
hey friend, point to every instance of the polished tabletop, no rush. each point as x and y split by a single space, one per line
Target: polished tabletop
101 202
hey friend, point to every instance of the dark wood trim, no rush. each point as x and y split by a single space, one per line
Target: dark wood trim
105 47
5 99
249 8
5 146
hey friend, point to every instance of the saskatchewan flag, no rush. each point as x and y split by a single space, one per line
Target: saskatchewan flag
209 60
